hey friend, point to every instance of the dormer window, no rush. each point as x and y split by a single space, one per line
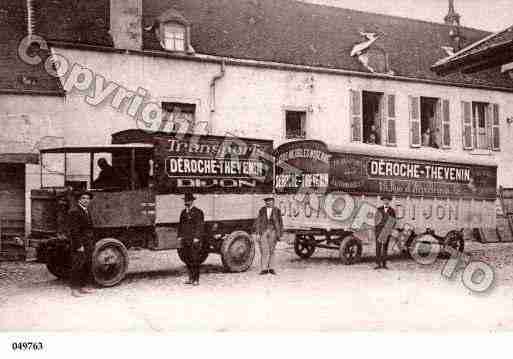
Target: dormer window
173 36
173 31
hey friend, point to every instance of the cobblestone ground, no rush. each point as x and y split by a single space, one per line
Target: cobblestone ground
315 294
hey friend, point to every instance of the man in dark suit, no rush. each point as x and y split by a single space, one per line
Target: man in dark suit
385 222
190 233
269 229
80 231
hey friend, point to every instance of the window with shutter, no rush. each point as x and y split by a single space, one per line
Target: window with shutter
496 143
481 125
446 124
466 120
391 120
415 121
356 115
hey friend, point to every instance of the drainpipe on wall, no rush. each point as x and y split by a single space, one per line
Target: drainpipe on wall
213 87
213 95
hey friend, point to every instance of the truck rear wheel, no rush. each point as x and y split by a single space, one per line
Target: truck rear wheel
237 251
109 262
303 246
350 250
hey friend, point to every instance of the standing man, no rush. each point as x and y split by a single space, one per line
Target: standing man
385 222
80 230
190 233
269 229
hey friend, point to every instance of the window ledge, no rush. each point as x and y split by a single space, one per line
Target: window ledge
295 138
481 152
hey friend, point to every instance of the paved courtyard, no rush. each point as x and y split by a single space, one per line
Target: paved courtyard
315 294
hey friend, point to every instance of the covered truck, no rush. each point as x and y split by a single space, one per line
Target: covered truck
140 206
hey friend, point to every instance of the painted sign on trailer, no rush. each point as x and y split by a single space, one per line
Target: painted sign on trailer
441 195
213 164
362 174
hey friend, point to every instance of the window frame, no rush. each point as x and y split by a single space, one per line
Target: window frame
492 126
186 102
385 119
442 120
177 36
306 121
163 27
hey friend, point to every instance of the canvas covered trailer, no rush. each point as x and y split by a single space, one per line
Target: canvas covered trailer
329 195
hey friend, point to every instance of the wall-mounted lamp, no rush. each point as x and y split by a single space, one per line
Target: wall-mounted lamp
509 120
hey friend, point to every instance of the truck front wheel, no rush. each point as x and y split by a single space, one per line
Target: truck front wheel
109 262
303 246
237 251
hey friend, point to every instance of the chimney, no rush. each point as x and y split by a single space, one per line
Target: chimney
452 18
126 24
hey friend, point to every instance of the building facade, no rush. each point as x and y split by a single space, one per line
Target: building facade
265 69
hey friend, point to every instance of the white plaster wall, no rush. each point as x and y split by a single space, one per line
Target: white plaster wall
251 101
27 124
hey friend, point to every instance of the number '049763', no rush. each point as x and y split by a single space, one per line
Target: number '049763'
27 346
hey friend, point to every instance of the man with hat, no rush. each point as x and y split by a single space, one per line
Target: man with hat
269 229
80 231
190 233
385 221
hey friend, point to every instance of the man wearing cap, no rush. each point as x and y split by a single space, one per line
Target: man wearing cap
80 230
385 221
190 233
269 229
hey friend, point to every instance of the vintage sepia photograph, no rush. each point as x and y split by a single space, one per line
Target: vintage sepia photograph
284 166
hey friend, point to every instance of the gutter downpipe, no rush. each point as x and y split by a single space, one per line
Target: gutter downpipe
213 86
30 18
216 78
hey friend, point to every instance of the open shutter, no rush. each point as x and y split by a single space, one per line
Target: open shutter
415 121
496 142
391 137
446 125
488 124
436 131
466 120
356 115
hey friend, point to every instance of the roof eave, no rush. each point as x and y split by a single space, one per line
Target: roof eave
51 93
473 62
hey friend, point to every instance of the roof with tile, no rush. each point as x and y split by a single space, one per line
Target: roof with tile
284 31
16 76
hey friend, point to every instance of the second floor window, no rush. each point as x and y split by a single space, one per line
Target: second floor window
430 124
173 36
373 117
481 126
